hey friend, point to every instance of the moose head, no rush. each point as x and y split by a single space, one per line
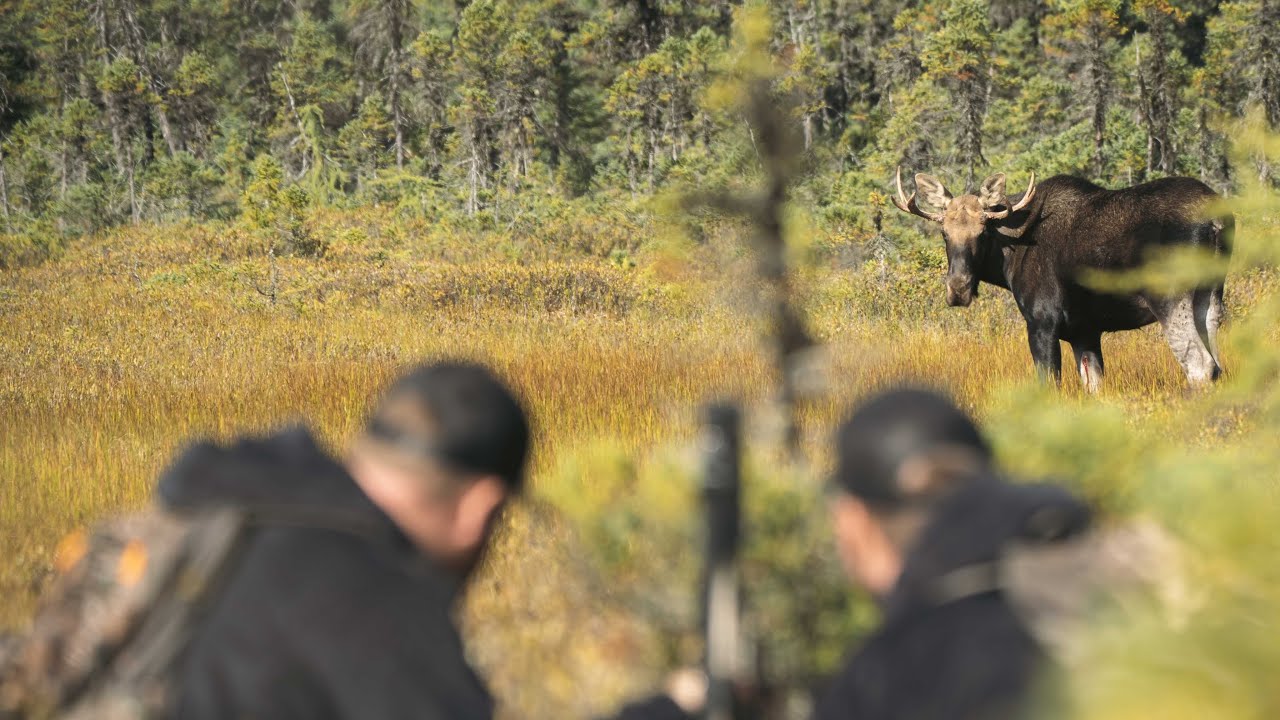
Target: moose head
964 221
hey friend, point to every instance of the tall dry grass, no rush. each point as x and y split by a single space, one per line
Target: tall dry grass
115 355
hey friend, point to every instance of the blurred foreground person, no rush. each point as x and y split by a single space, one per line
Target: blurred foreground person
922 523
326 592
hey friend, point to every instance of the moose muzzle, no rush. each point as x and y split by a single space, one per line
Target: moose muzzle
960 291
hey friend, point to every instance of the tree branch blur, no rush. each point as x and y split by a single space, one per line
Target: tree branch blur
779 148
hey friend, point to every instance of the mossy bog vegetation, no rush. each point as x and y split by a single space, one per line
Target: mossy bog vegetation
134 342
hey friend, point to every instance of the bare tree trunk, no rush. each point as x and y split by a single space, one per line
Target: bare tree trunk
166 130
673 133
62 171
275 272
1099 136
272 291
100 15
882 245
562 79
4 195
653 150
1144 108
632 162
1164 110
138 50
123 151
397 111
303 136
974 96
173 134
134 214
397 118
117 137
1205 147
1100 90
61 221
473 177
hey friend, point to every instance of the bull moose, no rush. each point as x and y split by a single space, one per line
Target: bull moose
1038 244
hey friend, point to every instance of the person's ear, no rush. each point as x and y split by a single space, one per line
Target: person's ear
475 512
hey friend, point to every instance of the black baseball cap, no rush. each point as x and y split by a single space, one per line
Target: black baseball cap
477 423
892 428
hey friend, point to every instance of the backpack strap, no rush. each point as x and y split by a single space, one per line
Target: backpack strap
144 662
105 645
133 671
212 548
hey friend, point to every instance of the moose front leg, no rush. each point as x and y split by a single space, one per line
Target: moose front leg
1046 351
1088 352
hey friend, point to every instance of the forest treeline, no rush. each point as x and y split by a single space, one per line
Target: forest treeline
119 111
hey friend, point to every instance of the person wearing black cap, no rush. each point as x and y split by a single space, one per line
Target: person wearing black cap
347 612
921 522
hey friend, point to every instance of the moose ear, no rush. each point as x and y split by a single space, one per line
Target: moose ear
992 192
932 189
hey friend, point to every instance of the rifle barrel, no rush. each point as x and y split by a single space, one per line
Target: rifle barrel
721 495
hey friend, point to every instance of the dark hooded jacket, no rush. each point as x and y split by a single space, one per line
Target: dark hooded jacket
328 613
951 646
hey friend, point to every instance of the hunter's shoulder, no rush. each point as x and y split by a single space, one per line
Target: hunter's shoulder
246 470
305 560
978 642
980 631
325 601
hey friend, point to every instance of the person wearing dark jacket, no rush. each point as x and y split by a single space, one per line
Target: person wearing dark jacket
345 612
921 522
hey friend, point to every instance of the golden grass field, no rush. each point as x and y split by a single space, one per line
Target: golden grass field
130 345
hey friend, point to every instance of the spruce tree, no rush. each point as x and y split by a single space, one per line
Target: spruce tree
384 30
1085 32
1161 75
957 57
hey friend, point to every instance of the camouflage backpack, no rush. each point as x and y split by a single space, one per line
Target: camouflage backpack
118 615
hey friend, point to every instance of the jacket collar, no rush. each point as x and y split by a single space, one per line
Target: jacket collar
957 555
287 479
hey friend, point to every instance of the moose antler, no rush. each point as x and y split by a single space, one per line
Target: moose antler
1026 199
908 204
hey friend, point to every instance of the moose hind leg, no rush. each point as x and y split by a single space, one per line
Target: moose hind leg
1088 354
1178 318
1208 309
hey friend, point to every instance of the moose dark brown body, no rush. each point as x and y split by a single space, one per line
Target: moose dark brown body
1039 245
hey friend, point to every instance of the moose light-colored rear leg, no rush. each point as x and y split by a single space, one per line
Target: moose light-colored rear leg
1177 317
1088 354
1217 310
1208 309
